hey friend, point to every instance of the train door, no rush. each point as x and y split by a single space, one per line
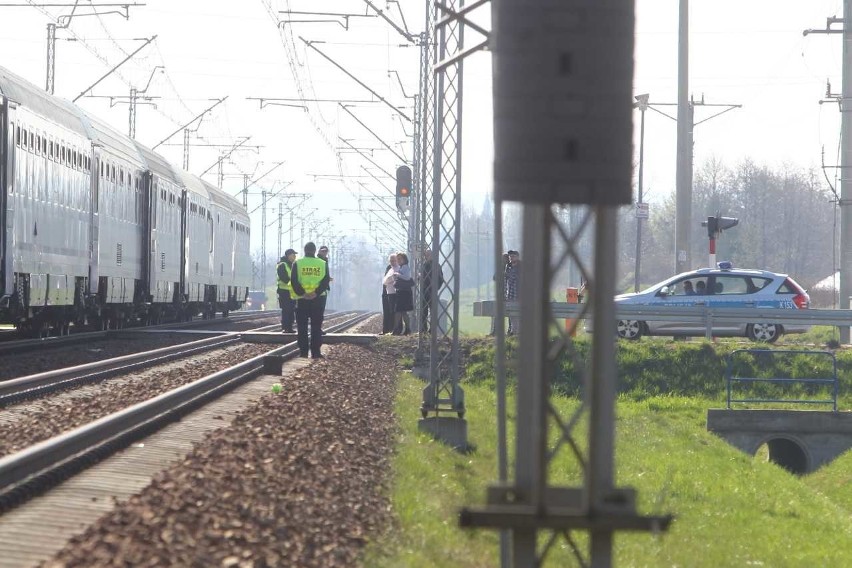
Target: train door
184 239
148 220
7 180
94 225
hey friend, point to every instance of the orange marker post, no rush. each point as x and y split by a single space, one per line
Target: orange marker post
572 296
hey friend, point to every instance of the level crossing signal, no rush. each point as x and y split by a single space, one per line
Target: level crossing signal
403 187
717 224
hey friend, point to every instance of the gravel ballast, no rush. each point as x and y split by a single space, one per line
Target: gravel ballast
298 479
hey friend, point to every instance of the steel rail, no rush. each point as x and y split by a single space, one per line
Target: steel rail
39 384
31 386
34 469
24 345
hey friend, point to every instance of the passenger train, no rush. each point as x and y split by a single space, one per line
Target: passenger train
97 229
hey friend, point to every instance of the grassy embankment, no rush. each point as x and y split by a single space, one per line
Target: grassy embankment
731 509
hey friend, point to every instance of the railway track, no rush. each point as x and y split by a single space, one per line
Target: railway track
31 471
10 344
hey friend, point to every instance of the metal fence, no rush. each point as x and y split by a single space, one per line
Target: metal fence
733 380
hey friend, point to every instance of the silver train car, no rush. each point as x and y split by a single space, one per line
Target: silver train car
98 229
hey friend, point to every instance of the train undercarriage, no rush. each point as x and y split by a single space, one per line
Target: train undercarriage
92 311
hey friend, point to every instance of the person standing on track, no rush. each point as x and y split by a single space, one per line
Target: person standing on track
389 296
323 254
512 282
309 279
404 285
285 291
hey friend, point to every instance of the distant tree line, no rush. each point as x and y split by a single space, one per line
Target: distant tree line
786 223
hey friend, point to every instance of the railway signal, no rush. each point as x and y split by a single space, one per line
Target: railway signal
716 225
403 188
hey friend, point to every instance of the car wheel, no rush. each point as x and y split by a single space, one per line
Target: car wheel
629 329
764 332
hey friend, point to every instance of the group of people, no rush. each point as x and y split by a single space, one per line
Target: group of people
398 293
303 287
699 290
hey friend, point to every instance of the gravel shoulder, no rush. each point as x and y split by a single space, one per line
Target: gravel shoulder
298 479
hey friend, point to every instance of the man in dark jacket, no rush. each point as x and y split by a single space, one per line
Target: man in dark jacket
285 291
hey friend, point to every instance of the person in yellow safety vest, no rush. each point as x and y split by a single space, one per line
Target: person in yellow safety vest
309 278
285 291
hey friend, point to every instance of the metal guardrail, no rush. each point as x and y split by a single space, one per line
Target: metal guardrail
688 314
731 380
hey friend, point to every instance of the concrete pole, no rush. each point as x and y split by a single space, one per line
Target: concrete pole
478 263
131 128
643 106
51 58
846 168
280 228
683 190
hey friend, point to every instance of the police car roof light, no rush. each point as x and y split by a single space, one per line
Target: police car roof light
725 265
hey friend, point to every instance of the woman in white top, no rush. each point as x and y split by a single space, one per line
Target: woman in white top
389 296
404 295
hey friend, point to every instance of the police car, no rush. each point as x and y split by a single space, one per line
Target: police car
724 286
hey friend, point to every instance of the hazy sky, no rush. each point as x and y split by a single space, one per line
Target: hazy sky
748 52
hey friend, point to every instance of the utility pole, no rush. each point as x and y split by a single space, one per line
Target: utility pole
685 169
642 105
51 58
186 149
63 22
845 284
280 225
685 117
263 239
478 234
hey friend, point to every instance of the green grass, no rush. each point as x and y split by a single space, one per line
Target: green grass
730 509
431 482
